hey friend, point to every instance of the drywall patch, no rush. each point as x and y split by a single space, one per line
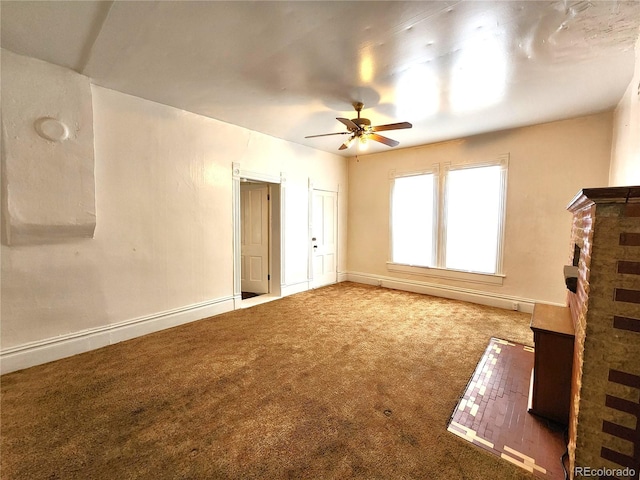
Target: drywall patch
47 153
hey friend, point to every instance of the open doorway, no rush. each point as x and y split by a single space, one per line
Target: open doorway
254 238
257 224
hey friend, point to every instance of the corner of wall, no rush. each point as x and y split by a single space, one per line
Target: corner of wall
624 163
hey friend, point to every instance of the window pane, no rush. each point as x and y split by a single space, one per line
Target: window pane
473 213
412 220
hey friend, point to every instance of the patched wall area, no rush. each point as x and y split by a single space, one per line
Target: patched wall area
47 153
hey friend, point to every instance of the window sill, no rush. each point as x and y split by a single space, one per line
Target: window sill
486 278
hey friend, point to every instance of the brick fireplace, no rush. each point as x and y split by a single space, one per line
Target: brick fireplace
604 420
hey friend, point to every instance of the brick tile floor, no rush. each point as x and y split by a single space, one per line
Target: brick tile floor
492 413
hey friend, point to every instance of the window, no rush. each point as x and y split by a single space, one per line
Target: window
450 222
412 218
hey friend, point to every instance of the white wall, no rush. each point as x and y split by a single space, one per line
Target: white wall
548 165
625 152
163 247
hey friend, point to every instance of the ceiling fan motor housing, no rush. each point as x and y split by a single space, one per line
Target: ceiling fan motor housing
362 122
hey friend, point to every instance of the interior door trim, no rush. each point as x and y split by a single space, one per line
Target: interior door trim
237 175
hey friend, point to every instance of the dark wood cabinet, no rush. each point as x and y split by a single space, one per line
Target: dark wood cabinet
553 336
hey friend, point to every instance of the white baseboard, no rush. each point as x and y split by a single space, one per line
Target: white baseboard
468 295
47 350
342 277
294 288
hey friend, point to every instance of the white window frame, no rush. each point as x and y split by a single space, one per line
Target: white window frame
439 243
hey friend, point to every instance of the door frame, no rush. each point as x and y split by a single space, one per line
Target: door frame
276 230
326 188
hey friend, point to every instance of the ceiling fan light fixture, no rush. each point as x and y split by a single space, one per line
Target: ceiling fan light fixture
349 142
363 144
361 129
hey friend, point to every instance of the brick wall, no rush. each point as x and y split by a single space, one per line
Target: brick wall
604 429
581 235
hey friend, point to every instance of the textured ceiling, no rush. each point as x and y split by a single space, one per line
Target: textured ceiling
288 69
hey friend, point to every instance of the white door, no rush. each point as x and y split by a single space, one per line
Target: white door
324 237
254 222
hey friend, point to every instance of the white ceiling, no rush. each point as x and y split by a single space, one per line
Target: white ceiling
289 68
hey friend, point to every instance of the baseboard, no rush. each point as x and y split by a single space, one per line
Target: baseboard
50 349
305 285
294 288
468 295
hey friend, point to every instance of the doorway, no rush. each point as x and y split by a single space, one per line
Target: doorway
257 237
254 239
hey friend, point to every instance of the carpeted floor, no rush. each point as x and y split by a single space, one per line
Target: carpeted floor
343 382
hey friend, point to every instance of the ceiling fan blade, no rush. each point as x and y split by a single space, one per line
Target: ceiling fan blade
385 140
391 126
348 123
327 134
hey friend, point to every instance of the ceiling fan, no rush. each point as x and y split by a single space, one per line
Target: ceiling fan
360 129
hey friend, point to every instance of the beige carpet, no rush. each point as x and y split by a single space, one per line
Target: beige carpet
343 382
